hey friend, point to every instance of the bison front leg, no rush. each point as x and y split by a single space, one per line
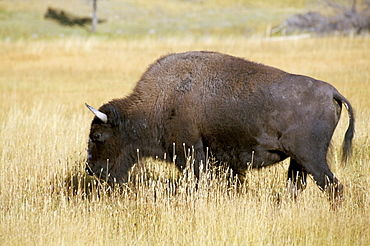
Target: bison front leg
199 162
194 159
297 179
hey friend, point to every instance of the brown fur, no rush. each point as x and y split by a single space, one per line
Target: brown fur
235 107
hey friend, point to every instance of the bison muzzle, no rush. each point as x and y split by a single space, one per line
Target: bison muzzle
249 116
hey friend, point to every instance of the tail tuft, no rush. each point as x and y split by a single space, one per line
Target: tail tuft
347 142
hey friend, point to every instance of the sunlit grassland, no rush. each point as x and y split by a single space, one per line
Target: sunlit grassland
137 18
44 127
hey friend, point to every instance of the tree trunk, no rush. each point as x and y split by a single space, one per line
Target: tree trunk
94 17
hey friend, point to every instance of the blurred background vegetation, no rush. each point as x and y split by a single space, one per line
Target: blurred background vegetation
24 19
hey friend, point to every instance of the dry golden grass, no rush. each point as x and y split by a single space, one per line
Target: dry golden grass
44 127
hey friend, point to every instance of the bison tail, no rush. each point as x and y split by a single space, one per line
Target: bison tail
347 142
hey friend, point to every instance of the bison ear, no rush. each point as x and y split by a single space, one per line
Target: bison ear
103 117
114 117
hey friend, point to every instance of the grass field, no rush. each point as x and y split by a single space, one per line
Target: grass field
140 18
44 126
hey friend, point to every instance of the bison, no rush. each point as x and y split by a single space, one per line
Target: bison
247 114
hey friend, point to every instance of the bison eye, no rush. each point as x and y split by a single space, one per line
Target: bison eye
97 137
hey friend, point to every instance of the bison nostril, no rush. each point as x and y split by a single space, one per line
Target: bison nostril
89 171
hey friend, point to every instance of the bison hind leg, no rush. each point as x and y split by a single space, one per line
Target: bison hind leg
334 190
324 178
297 179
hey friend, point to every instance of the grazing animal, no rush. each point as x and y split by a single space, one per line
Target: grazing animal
249 115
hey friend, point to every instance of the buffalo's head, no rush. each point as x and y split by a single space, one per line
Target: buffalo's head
104 152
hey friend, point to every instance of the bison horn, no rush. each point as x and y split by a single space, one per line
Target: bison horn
98 114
